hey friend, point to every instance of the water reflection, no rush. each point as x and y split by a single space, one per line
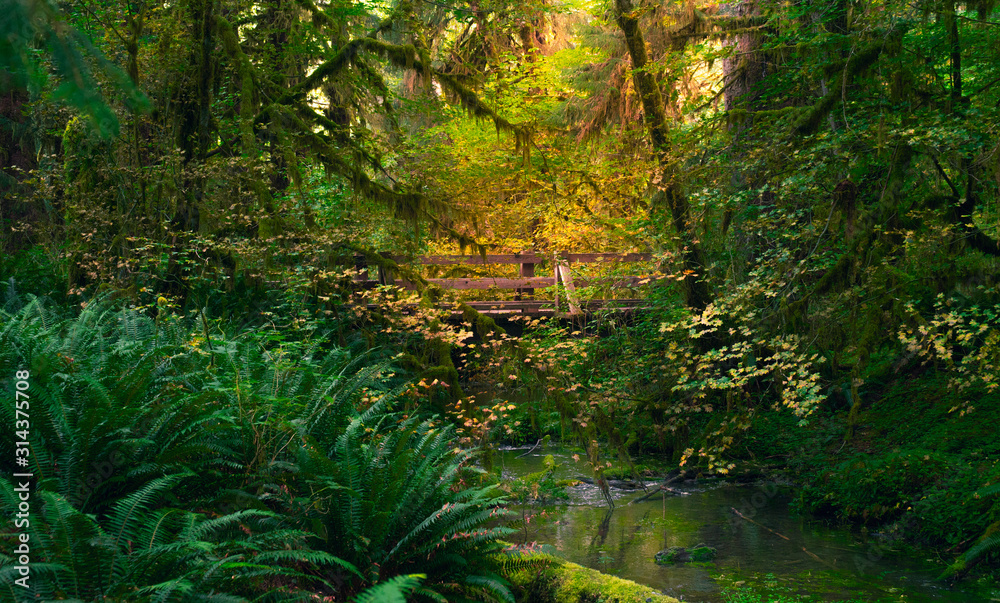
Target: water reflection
760 543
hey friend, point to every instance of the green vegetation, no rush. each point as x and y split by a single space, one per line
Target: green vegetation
768 588
552 580
173 459
745 596
699 553
245 384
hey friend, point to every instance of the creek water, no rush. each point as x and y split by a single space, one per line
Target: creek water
775 553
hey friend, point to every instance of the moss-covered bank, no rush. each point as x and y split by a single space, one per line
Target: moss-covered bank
552 580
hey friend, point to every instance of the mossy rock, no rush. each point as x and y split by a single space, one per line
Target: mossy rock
679 554
548 579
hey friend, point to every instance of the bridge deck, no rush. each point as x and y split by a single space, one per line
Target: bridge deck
527 283
538 308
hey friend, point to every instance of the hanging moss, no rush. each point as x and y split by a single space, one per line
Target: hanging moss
231 43
865 244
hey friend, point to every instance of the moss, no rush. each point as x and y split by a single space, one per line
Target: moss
482 325
859 62
231 43
553 580
438 358
679 554
409 362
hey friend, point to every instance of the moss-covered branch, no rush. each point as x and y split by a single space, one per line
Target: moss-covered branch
248 79
836 277
855 65
404 56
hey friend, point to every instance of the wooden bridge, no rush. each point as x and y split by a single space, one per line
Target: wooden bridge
526 283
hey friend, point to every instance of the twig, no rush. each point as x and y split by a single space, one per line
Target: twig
532 448
804 550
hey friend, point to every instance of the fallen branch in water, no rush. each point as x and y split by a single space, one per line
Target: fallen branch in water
540 440
804 550
663 488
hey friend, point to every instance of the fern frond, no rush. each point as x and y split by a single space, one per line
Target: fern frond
990 490
393 590
132 512
988 542
492 584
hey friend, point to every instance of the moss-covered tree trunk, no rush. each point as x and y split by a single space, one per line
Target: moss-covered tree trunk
696 293
743 74
194 136
744 71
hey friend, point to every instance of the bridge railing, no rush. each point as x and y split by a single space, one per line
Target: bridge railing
526 262
526 282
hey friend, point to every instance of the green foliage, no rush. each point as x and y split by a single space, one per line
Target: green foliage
394 590
389 502
986 544
537 487
699 553
876 489
819 189
141 554
286 468
746 595
37 25
742 587
962 340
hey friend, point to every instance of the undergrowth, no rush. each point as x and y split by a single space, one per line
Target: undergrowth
177 457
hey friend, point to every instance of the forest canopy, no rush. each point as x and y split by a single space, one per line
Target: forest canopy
813 187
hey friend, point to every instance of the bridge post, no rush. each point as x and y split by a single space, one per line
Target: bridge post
525 270
360 264
563 273
386 277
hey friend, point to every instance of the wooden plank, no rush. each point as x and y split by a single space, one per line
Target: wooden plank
491 283
538 303
449 260
545 308
521 258
526 270
608 257
534 307
539 282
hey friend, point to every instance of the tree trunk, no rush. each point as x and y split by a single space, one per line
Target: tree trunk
17 159
743 74
696 293
194 137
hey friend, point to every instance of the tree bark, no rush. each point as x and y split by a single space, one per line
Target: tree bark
743 73
954 53
742 77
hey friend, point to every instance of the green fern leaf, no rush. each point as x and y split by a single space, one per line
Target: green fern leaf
394 590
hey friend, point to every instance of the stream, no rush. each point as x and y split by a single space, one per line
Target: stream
775 553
